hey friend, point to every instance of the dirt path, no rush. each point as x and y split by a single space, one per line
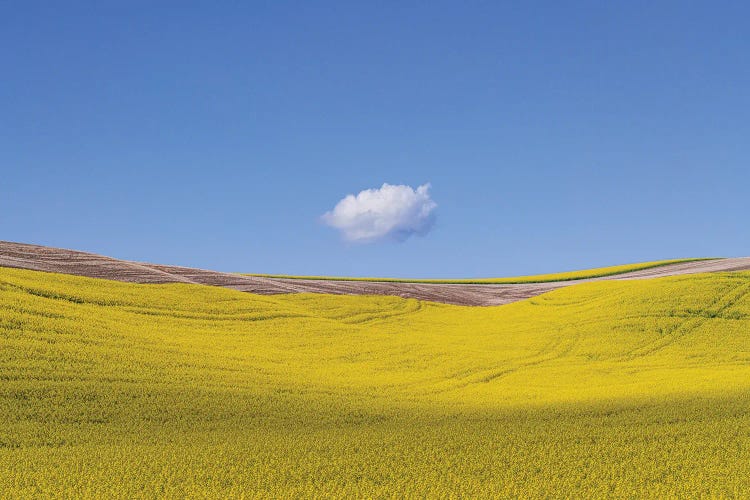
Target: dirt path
57 260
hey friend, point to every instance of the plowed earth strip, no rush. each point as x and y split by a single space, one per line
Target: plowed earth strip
57 260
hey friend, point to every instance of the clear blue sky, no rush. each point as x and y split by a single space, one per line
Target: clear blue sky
215 134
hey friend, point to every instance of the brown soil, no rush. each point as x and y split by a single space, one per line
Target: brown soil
57 260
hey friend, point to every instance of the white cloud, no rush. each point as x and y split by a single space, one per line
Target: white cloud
391 212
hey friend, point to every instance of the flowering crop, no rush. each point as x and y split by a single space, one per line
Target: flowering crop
613 388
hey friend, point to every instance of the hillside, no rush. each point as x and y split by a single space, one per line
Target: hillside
584 274
637 388
487 292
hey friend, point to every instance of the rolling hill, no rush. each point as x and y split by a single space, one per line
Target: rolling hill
484 292
606 388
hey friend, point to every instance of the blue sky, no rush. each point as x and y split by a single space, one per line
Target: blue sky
216 134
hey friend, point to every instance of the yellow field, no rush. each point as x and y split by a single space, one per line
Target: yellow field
537 278
615 388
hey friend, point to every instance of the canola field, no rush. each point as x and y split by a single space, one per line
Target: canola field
599 272
603 389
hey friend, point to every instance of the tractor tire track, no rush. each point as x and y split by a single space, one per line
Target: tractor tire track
690 325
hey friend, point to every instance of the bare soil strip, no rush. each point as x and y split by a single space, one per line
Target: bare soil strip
57 260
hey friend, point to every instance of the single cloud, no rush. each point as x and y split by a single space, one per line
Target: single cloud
391 212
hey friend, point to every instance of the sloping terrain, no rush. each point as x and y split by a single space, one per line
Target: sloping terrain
600 272
620 388
58 260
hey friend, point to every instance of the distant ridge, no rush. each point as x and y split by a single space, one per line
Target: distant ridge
58 260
